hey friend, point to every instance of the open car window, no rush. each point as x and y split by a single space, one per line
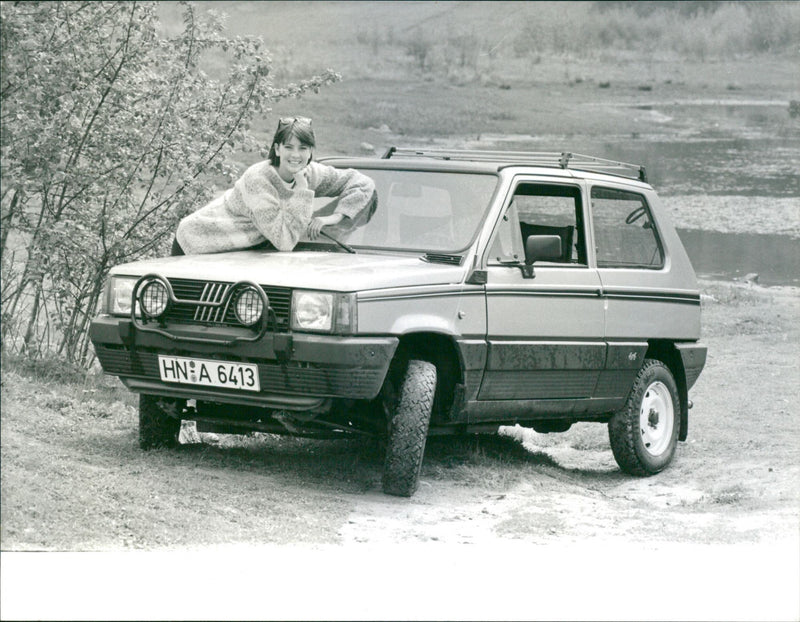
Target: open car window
542 209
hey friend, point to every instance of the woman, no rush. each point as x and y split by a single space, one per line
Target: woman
273 200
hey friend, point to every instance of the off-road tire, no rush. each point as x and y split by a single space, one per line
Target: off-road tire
644 433
408 429
156 427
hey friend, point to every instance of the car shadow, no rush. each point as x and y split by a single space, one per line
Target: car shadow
356 464
487 448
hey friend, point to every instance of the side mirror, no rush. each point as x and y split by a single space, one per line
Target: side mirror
540 248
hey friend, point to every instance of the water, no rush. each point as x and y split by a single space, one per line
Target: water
722 166
730 256
711 165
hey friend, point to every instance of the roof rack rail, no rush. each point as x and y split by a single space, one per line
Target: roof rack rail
562 159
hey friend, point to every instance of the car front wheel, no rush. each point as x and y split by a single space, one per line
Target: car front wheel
644 433
409 417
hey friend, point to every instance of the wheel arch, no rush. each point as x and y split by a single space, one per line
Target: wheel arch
667 353
441 350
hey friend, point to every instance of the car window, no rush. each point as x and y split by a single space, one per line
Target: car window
422 211
625 236
544 209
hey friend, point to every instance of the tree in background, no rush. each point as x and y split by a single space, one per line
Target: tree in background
109 135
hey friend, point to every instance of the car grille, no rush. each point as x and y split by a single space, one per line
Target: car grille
292 378
211 291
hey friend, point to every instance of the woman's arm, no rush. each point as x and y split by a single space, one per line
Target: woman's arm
354 189
281 216
317 222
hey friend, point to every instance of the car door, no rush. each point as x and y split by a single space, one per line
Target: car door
544 334
642 283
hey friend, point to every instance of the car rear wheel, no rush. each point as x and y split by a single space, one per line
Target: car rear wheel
644 434
156 427
409 417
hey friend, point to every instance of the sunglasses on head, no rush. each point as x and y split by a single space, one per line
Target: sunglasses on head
292 120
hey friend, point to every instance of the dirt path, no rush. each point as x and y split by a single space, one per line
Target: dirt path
559 507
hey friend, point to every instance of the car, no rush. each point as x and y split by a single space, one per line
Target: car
489 289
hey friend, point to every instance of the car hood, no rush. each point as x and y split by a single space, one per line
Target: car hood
304 269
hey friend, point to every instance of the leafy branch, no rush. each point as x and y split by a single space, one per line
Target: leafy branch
110 134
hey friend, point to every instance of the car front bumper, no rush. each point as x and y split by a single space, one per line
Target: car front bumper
297 371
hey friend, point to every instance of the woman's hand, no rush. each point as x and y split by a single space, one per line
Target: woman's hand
301 179
316 224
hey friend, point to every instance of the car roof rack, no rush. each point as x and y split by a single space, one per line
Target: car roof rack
562 159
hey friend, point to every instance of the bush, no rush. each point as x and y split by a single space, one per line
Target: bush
48 369
110 135
695 29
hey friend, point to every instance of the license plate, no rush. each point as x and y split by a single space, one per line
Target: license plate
204 372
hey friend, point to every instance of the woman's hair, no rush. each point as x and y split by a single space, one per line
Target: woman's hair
299 127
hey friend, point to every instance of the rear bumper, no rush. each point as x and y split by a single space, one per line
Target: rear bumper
296 371
693 356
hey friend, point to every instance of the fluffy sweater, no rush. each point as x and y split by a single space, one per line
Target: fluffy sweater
262 206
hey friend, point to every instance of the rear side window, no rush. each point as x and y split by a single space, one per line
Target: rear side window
624 232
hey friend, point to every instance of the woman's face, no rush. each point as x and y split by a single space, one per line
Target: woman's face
294 157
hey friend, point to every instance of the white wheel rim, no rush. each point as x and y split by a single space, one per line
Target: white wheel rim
656 419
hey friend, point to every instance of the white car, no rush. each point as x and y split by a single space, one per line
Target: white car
488 289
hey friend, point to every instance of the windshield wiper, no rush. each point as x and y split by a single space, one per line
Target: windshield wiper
342 244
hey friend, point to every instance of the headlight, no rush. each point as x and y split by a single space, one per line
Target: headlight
249 307
120 293
312 311
323 312
154 298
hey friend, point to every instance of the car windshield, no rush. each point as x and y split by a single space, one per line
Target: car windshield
419 211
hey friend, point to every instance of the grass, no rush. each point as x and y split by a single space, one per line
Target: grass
721 294
496 462
729 495
74 478
738 309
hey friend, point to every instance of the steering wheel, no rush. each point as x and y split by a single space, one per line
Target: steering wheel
635 215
